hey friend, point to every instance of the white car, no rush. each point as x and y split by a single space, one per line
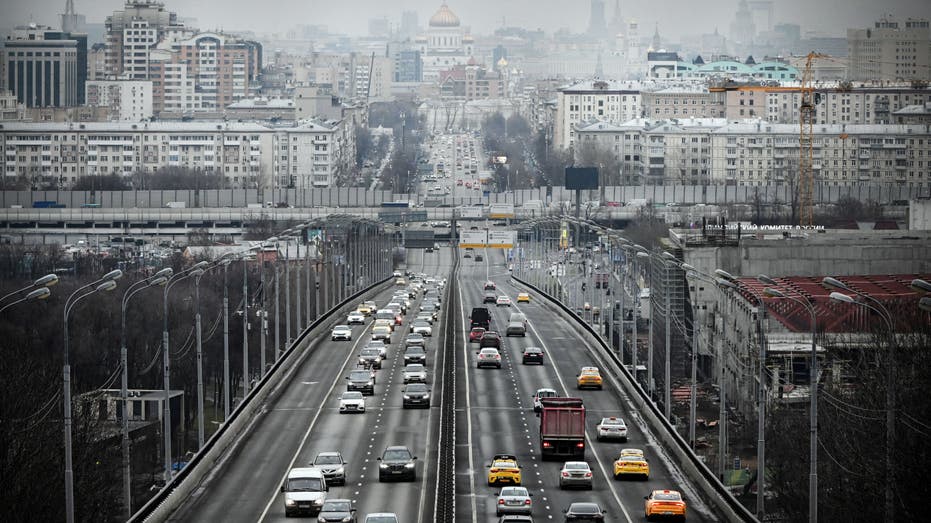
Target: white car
341 332
351 401
612 428
422 327
542 393
355 318
503 301
415 372
381 517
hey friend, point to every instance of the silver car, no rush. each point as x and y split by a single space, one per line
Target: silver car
414 373
333 467
413 339
575 474
513 500
341 332
422 327
351 401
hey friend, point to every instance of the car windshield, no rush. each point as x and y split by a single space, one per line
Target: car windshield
342 327
370 352
532 350
513 491
631 457
360 375
381 519
352 395
546 394
415 336
414 350
329 459
489 351
417 387
397 455
478 331
576 465
414 368
336 506
667 496
305 485
612 422
421 324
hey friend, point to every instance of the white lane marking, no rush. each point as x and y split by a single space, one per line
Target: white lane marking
310 427
465 360
608 477
423 481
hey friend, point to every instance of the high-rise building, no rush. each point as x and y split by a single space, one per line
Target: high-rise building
596 19
379 27
617 19
890 50
72 22
408 67
408 24
132 33
225 69
743 30
45 67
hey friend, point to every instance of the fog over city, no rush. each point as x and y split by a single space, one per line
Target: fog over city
675 17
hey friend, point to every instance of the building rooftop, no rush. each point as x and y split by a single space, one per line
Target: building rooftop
595 85
252 103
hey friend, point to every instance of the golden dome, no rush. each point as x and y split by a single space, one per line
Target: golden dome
444 17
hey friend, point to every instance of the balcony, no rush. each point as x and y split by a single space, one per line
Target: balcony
864 154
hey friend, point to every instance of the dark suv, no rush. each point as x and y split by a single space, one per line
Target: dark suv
490 339
415 354
397 462
416 395
361 380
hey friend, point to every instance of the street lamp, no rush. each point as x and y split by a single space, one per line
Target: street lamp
105 284
158 279
166 410
42 283
38 294
813 422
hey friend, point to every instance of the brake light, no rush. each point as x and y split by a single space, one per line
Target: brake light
580 445
565 474
501 502
546 444
588 474
526 502
493 471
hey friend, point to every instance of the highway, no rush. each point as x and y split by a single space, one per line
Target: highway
498 415
304 420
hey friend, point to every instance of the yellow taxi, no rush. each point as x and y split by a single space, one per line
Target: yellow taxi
631 462
523 297
504 469
589 377
664 503
364 309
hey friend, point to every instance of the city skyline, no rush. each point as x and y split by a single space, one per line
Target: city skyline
828 17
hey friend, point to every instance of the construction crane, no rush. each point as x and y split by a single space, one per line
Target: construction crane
806 178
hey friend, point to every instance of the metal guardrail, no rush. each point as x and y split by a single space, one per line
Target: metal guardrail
445 505
176 491
693 467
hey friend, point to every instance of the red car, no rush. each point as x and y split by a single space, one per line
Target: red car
475 335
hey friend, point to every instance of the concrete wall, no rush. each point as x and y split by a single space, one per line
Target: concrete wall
919 215
832 253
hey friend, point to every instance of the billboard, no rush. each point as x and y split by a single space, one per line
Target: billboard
473 212
473 239
502 239
501 210
581 178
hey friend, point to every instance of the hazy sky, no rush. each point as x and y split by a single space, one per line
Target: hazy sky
675 17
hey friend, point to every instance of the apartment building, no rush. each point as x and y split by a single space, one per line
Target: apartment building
126 100
249 155
224 69
716 151
690 101
132 32
890 50
598 100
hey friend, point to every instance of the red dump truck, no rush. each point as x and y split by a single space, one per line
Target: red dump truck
562 428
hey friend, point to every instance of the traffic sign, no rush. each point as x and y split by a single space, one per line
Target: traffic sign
473 239
501 210
502 239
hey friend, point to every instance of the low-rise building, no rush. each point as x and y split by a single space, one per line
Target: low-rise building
304 155
593 100
125 100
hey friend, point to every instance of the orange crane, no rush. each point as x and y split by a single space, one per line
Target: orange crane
806 179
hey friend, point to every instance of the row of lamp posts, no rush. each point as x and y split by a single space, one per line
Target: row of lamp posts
358 247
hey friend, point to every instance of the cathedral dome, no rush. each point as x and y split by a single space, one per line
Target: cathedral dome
444 17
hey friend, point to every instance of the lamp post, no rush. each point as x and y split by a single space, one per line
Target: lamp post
879 308
158 279
245 326
104 284
274 239
813 421
38 294
197 274
166 408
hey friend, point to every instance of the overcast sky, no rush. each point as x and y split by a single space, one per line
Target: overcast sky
675 17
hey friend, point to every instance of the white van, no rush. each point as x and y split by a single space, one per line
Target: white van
304 491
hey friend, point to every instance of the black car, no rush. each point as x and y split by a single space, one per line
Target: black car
415 354
416 395
397 462
362 381
532 355
584 512
370 358
490 339
515 518
490 297
478 258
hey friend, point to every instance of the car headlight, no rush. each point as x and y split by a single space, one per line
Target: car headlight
408 465
407 397
290 502
370 382
382 466
347 519
318 501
